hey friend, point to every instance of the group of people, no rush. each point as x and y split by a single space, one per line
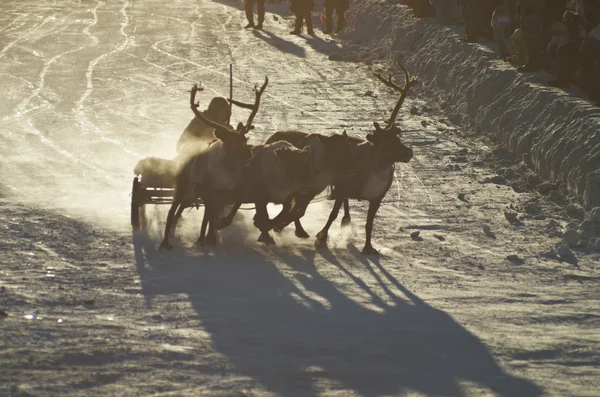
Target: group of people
303 10
560 36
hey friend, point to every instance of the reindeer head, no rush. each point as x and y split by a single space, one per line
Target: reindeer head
338 150
387 139
297 165
235 146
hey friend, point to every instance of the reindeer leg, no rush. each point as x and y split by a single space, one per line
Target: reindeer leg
346 218
373 207
200 240
213 210
278 224
178 214
300 210
321 241
297 212
166 245
263 223
288 214
300 232
226 221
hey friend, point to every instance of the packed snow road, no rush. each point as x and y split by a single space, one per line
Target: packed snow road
469 306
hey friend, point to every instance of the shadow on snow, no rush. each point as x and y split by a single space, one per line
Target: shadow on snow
291 329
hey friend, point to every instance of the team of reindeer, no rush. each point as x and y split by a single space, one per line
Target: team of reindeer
291 168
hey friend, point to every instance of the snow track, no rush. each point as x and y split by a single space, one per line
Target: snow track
91 87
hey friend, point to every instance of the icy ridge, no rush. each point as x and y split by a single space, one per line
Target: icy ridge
559 130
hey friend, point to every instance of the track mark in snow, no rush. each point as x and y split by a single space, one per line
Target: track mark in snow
226 75
24 35
415 161
225 35
65 153
79 106
193 23
18 18
42 78
95 41
166 69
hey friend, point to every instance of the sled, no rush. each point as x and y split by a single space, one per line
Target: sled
153 187
154 183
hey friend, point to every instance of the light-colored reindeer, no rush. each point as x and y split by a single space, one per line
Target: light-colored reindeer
216 168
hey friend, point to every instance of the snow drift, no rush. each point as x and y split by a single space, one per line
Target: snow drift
559 130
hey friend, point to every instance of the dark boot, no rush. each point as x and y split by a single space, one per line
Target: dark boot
298 30
341 19
261 14
249 5
328 19
309 24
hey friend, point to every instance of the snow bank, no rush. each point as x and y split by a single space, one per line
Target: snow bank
560 131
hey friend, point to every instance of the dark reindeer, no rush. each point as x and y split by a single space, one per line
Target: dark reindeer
330 161
277 172
368 178
374 159
218 167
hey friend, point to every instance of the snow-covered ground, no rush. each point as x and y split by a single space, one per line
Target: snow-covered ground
473 306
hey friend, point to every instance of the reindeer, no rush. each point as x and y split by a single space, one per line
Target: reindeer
217 167
372 171
330 161
374 159
276 173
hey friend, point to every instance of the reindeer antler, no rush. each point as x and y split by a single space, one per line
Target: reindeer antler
403 90
199 114
245 128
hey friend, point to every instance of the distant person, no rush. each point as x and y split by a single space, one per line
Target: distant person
501 30
249 4
519 55
340 7
477 15
560 36
590 59
578 61
567 53
303 11
446 11
422 8
531 13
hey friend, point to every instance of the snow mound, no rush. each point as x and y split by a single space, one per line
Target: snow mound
559 130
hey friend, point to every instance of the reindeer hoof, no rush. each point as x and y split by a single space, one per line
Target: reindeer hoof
165 246
346 221
370 251
302 234
321 240
266 238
